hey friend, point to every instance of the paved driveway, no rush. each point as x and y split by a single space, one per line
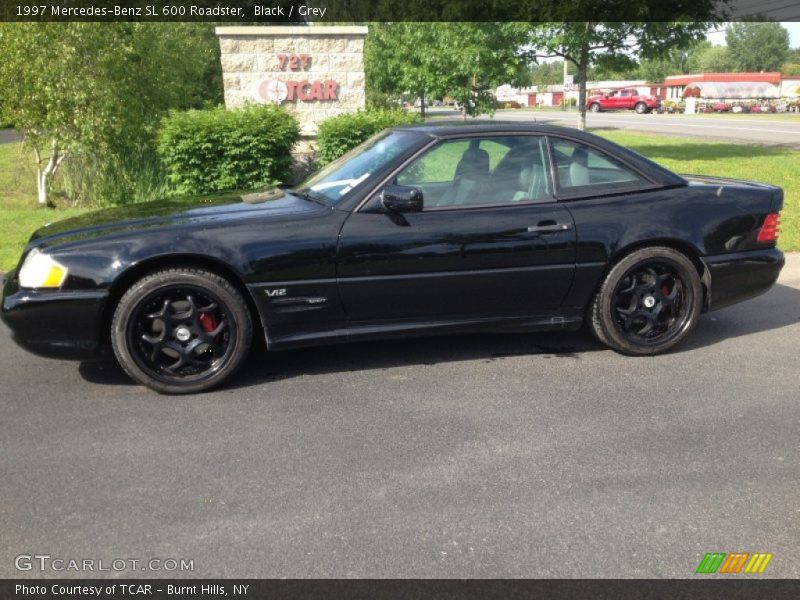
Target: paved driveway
470 456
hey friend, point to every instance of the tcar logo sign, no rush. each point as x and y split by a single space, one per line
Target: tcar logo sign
274 90
277 91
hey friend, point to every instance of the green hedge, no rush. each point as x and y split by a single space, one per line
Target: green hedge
215 149
342 133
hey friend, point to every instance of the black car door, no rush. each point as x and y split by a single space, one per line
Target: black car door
490 242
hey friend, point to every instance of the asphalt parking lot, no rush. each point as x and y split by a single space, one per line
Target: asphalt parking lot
470 456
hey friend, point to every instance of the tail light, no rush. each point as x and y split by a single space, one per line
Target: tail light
769 229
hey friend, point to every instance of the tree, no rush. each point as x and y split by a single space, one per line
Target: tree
400 58
612 67
710 59
462 60
97 90
672 62
474 58
757 46
606 43
549 73
792 64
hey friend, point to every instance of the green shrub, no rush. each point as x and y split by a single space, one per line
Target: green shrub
91 180
215 149
342 133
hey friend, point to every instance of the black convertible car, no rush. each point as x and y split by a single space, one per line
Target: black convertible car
420 230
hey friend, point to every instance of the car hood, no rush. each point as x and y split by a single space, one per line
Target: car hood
175 211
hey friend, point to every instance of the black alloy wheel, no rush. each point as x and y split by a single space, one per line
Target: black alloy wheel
649 302
181 330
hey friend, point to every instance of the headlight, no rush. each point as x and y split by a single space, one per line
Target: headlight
40 271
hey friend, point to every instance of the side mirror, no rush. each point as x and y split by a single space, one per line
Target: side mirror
402 198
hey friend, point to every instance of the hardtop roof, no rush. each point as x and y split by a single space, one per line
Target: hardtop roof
447 129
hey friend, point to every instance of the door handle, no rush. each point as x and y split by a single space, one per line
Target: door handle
549 227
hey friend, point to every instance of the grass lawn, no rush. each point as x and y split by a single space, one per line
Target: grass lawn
745 117
20 216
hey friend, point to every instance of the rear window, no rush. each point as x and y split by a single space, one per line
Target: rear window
581 168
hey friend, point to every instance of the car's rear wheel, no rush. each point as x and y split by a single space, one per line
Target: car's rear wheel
181 330
594 107
648 302
640 108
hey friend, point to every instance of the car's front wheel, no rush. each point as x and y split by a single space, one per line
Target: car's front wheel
648 302
181 330
594 107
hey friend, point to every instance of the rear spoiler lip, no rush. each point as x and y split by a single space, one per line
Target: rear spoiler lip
711 179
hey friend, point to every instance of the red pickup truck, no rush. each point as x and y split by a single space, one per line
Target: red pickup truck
623 99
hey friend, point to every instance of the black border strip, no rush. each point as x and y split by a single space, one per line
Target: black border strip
733 588
337 11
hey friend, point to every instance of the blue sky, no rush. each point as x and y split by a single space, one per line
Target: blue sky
718 37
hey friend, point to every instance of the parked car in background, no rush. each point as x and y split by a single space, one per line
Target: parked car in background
623 99
425 229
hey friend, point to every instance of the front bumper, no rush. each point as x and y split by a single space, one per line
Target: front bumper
734 277
58 324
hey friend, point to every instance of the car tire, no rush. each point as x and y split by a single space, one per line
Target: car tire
640 108
648 302
181 330
594 107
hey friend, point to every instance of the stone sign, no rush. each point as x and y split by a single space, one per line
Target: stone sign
315 71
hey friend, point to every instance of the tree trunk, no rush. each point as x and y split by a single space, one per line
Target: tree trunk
582 68
41 181
422 104
43 175
41 186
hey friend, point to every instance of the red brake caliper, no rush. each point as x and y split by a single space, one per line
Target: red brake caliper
208 322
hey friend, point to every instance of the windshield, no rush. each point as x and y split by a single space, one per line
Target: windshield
345 174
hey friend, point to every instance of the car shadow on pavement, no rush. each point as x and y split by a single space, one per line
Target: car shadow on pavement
262 366
778 308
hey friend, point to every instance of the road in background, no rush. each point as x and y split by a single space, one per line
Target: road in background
469 456
756 129
9 135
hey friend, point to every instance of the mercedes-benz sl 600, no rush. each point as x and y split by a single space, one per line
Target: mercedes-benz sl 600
426 229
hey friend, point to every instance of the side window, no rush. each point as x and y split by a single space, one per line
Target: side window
625 93
438 165
479 171
580 167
